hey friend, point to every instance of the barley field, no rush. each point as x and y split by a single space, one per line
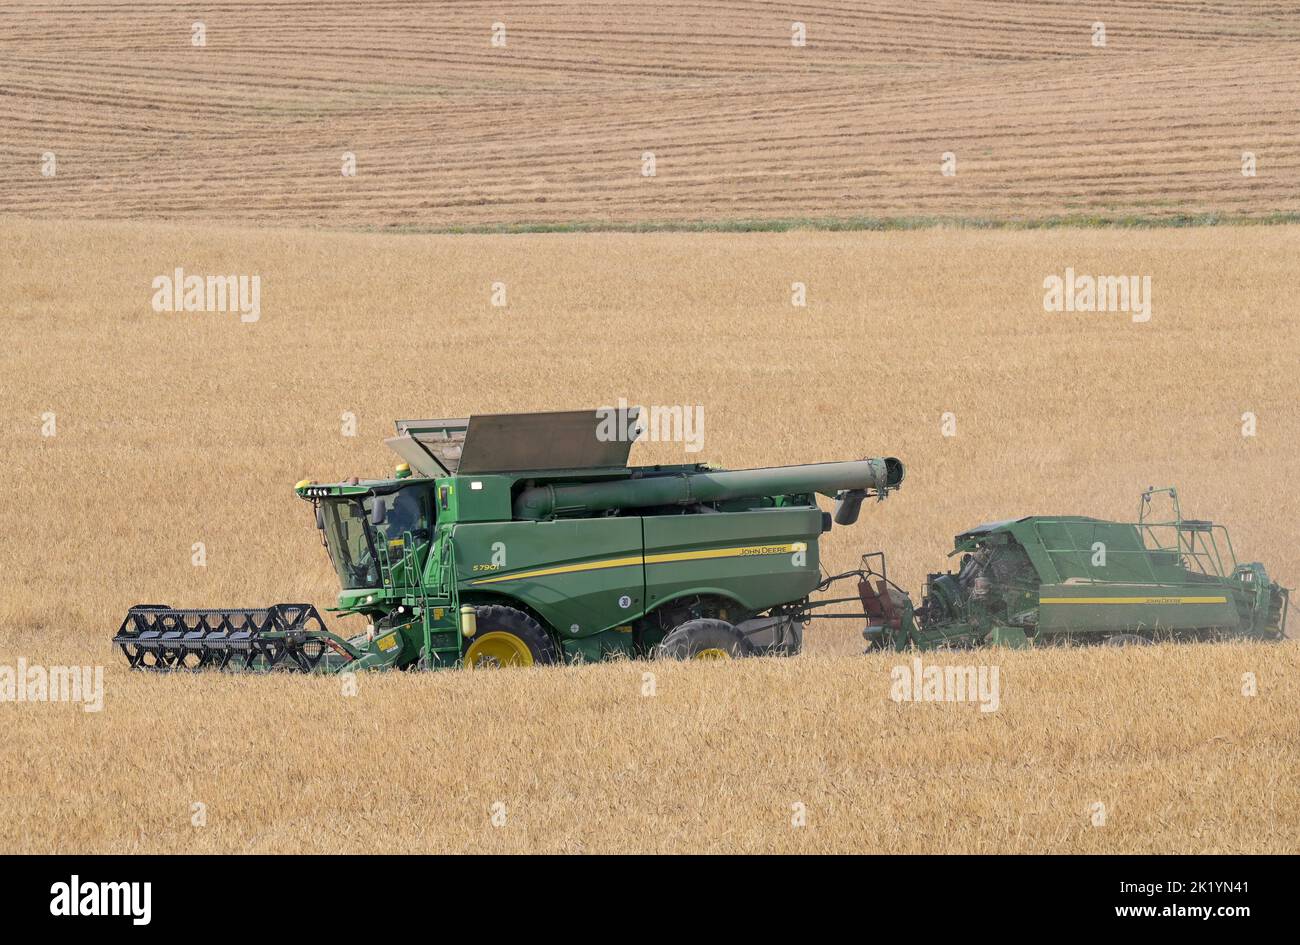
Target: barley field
551 128
172 429
577 759
151 455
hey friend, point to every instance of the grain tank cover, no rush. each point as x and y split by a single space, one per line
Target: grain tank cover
431 447
569 439
518 442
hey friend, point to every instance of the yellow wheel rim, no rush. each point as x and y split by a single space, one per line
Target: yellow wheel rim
498 648
712 653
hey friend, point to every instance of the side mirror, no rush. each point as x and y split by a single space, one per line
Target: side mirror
378 512
320 517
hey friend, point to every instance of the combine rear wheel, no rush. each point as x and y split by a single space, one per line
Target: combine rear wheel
507 637
704 639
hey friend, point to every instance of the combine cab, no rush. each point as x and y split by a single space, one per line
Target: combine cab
523 539
1071 579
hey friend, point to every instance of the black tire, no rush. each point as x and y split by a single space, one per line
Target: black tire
523 631
704 639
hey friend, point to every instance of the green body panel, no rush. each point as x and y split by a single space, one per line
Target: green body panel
1132 608
479 498
758 558
1062 550
580 575
587 576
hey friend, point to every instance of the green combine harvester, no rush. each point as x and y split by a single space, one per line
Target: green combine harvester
1051 580
525 539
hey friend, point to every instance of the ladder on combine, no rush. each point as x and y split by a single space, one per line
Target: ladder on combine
442 646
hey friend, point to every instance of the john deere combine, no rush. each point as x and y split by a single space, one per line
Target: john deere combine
1070 579
523 539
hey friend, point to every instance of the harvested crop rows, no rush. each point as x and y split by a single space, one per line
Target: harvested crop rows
451 132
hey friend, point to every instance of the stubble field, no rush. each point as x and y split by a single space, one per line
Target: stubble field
173 429
552 127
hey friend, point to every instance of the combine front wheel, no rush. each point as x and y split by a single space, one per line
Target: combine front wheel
507 637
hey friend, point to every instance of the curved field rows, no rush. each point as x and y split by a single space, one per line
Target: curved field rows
449 131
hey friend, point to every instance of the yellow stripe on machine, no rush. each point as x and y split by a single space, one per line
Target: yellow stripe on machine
565 569
665 558
1133 600
725 553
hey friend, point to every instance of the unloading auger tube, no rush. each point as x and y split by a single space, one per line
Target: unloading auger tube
848 482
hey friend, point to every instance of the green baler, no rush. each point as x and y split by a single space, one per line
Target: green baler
1072 579
523 539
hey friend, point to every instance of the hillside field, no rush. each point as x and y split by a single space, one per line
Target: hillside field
551 128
